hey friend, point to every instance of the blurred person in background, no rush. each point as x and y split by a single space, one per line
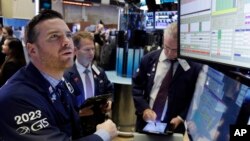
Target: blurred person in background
99 40
5 32
2 56
14 60
108 51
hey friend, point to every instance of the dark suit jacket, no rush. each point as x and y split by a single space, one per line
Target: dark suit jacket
34 113
179 95
102 86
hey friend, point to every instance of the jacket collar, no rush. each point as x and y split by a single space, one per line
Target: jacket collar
33 77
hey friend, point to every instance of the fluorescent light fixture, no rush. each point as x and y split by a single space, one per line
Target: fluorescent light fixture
77 3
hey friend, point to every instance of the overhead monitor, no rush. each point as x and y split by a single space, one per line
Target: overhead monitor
149 20
164 18
165 1
215 31
215 106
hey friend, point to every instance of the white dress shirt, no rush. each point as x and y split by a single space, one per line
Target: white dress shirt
80 68
162 68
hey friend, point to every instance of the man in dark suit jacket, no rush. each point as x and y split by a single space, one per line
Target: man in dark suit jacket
36 103
148 78
85 51
101 83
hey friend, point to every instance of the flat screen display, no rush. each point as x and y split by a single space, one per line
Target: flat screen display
215 31
215 106
155 127
164 18
165 1
149 20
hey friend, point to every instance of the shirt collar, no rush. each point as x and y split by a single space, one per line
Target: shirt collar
81 68
51 80
163 56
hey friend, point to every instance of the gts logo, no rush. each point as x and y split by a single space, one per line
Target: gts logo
38 125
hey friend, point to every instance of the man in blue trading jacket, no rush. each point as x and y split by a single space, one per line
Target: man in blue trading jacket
36 103
149 77
99 83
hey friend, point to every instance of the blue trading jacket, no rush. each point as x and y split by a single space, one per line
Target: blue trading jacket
30 110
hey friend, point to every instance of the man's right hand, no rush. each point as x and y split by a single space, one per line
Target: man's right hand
108 126
149 115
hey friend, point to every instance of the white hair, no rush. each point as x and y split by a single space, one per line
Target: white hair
171 31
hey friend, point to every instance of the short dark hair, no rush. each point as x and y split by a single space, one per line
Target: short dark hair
30 32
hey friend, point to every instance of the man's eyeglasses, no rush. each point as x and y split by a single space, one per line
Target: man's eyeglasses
168 48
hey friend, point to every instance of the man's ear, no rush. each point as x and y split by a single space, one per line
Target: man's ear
31 49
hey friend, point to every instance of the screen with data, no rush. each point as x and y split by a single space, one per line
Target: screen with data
149 20
215 31
164 18
165 1
216 105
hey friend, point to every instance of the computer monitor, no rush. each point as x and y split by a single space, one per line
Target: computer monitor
165 1
164 18
149 20
215 106
215 31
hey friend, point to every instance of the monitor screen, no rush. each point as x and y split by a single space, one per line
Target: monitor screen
164 18
165 1
215 106
149 20
215 31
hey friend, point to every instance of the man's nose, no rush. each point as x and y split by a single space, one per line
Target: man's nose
66 41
